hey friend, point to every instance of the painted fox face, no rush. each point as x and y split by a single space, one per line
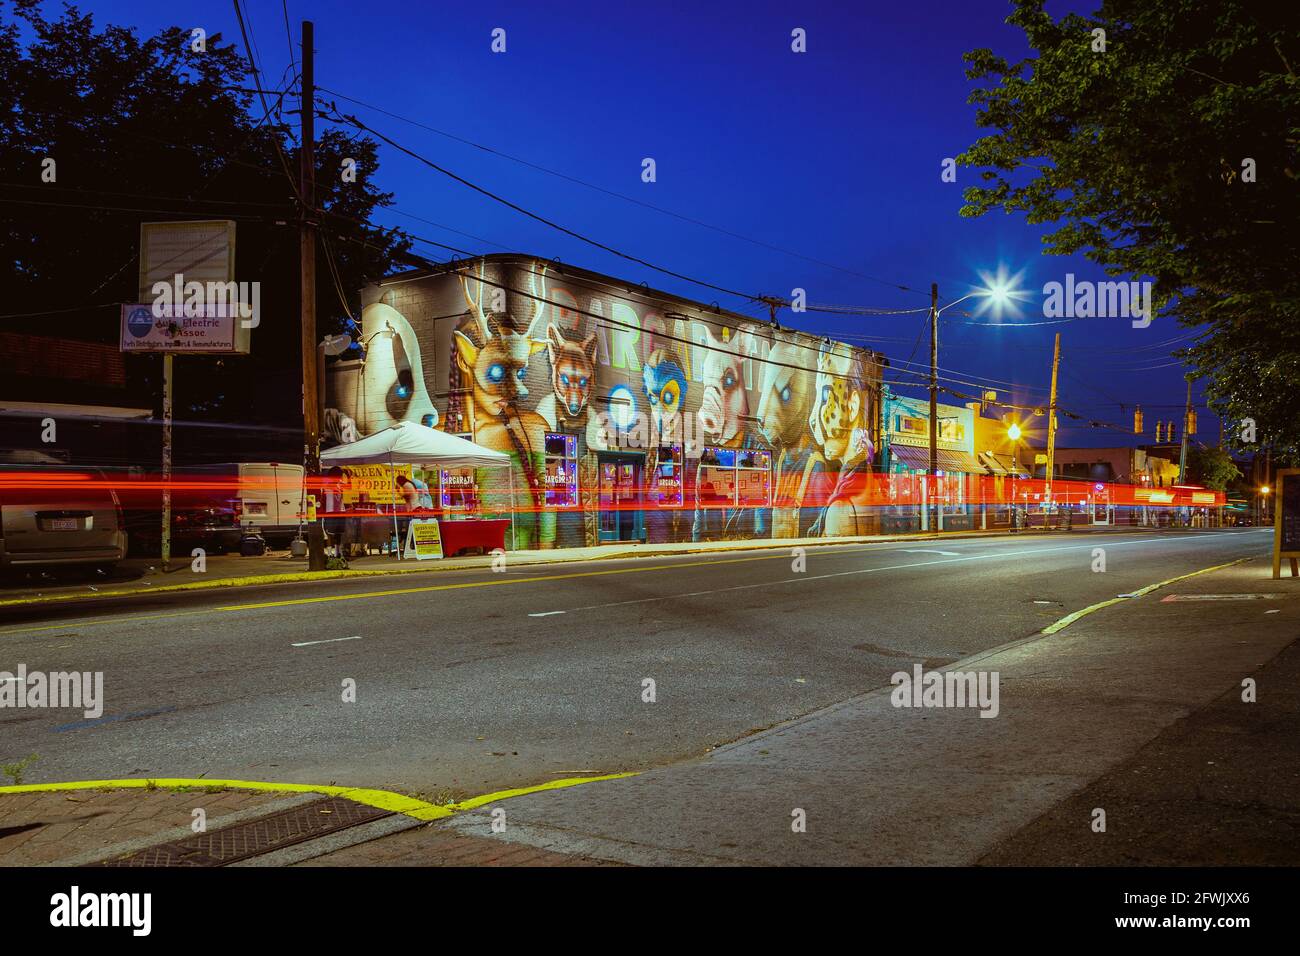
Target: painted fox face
664 385
573 370
786 395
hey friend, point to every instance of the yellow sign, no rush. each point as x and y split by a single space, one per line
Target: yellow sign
374 482
424 538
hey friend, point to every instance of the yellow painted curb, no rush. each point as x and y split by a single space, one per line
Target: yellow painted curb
380 799
1074 616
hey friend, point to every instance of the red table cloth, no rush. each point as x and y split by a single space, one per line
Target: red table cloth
486 533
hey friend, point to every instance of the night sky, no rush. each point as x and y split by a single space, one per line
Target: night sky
833 155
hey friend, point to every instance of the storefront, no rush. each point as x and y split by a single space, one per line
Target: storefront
628 414
952 499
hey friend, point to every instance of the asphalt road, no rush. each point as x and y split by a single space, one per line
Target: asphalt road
474 681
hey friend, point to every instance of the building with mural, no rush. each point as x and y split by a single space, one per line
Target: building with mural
629 414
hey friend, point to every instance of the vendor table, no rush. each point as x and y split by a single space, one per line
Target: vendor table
485 533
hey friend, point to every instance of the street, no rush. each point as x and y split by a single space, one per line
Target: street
468 682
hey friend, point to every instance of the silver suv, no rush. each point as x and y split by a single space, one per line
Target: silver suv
51 515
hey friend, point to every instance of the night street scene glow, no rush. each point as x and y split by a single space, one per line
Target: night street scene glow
793 438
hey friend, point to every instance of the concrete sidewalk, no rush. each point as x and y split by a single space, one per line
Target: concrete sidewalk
883 785
137 576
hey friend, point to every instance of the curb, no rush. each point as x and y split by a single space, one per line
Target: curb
1070 618
379 799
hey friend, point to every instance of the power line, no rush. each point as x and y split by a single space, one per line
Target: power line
617 195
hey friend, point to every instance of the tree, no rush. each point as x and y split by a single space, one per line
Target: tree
145 129
1167 145
1212 467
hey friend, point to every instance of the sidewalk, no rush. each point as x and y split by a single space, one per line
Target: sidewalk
882 785
136 576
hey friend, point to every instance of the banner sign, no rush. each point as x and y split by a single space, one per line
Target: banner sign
373 484
424 538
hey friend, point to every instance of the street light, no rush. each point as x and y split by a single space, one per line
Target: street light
1014 432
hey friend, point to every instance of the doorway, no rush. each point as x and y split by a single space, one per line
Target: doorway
621 518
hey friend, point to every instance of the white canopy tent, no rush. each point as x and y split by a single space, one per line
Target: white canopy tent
408 443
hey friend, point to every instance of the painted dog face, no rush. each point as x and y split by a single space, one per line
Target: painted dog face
664 384
573 370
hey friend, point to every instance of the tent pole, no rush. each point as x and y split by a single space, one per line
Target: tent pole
392 480
514 541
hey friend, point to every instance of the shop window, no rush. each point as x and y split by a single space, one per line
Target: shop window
458 492
561 470
666 482
735 478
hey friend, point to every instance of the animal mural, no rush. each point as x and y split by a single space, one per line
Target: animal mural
724 422
573 381
785 400
840 422
393 381
664 386
496 367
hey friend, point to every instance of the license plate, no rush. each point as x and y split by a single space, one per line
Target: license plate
65 524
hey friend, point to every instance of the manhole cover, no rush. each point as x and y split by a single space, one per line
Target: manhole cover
254 837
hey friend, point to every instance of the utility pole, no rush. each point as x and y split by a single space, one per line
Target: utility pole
933 480
166 544
1051 426
1187 425
307 260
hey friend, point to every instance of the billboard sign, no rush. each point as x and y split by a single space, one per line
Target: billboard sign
212 329
187 273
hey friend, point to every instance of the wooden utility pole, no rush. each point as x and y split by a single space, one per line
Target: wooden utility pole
166 541
933 478
1187 426
1051 428
307 258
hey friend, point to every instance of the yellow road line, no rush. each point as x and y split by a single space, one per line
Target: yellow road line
1074 616
493 582
380 799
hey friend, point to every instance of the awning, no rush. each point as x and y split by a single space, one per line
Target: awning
918 459
1000 465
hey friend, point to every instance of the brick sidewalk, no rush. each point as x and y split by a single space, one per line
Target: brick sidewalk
79 825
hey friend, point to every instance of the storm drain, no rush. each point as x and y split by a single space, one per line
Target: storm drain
254 837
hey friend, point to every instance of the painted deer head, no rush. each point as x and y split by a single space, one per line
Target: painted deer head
498 363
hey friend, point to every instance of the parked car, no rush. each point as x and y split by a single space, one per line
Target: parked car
58 516
214 527
267 496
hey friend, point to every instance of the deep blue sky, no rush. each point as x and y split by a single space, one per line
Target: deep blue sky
834 154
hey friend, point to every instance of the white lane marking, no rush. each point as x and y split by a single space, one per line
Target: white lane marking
952 554
332 640
894 567
547 613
